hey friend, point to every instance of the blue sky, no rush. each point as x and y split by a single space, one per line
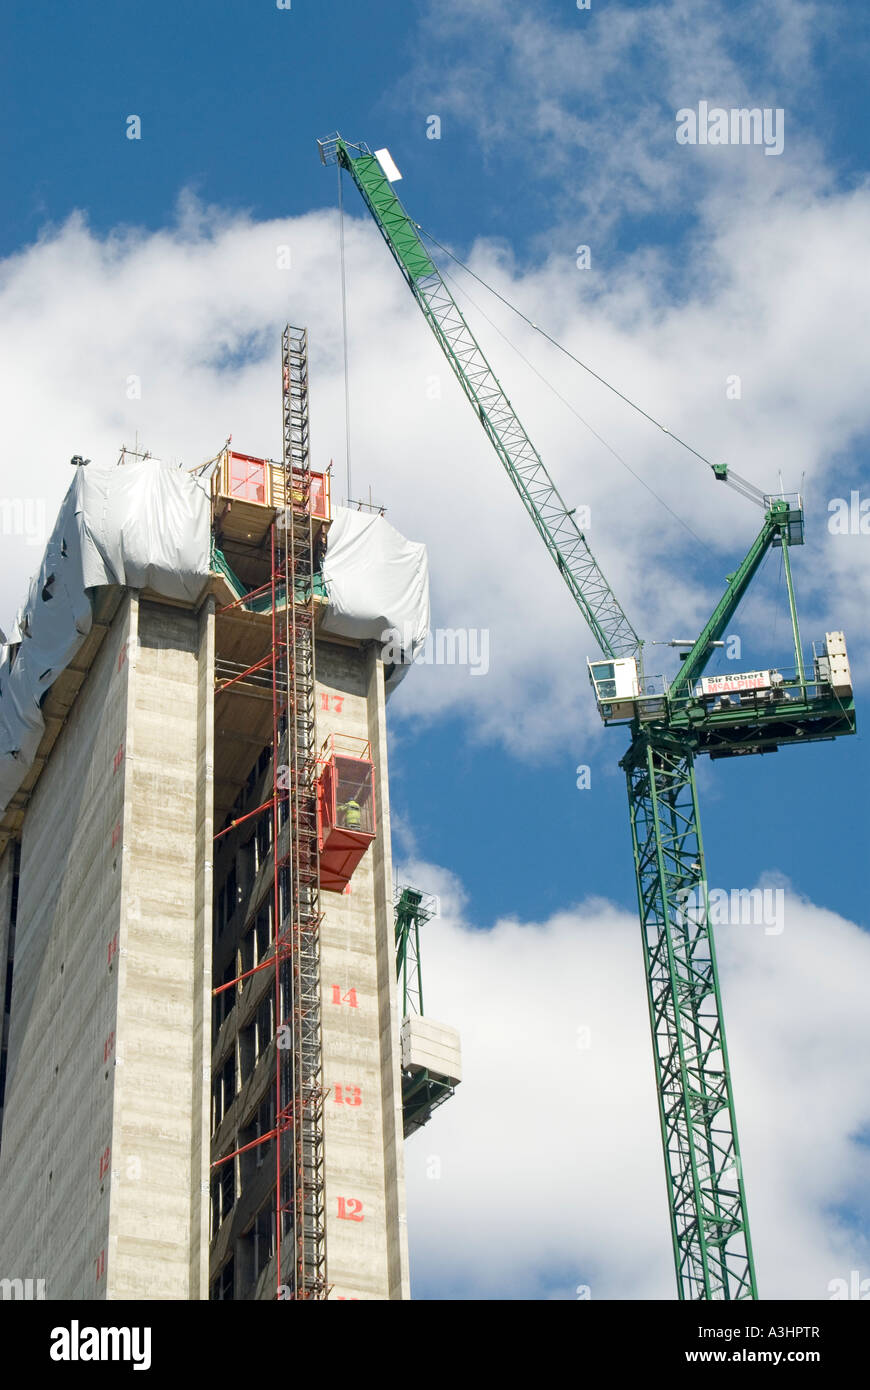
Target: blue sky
557 130
233 94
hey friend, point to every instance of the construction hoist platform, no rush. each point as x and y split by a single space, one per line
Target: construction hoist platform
300 1176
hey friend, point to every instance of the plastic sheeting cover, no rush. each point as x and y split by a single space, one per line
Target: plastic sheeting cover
147 525
376 581
144 525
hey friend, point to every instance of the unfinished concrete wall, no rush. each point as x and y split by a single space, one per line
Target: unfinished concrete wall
388 994
7 876
366 1233
202 963
105 1153
7 938
158 1211
54 1177
105 1161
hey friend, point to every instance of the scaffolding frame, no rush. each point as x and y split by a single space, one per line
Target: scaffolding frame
287 671
299 1092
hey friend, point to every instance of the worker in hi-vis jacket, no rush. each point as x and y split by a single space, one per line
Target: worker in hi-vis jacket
350 815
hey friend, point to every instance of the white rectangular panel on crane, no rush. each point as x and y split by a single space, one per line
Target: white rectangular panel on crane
388 164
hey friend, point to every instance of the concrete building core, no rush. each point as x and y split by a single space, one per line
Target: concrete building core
103 1153
145 1012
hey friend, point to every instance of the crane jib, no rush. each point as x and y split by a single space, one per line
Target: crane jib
554 521
374 184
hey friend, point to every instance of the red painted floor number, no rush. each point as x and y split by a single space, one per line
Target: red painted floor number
350 1209
348 998
348 1095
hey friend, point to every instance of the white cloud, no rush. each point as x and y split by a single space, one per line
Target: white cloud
550 1158
775 288
593 94
552 1173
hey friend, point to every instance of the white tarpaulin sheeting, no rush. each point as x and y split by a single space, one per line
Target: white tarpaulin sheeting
144 525
377 581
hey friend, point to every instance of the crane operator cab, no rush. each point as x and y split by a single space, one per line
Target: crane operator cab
616 687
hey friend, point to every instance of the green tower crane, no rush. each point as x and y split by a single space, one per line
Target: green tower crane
670 723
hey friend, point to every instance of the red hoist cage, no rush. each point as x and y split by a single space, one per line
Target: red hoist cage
346 815
249 479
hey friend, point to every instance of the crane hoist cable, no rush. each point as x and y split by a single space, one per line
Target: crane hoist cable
555 522
510 344
557 393
561 347
723 472
344 333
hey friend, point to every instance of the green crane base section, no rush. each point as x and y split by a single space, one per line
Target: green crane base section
709 1226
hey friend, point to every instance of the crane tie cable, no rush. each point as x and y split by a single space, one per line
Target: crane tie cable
344 332
561 347
575 412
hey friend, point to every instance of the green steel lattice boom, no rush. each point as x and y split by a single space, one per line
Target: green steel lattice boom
553 520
